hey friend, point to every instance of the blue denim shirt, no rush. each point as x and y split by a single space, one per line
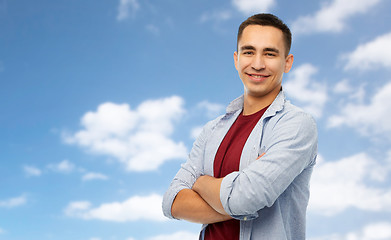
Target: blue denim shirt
268 195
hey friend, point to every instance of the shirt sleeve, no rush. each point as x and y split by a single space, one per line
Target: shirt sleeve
189 171
290 144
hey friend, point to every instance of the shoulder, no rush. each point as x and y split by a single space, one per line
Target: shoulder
293 113
208 128
293 119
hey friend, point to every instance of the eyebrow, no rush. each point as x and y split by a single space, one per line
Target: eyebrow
271 50
247 47
268 49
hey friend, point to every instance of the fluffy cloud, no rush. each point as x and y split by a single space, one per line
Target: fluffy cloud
248 7
138 138
371 55
332 16
13 202
94 176
338 185
133 209
127 7
211 110
176 236
64 166
368 118
343 87
374 231
301 86
32 171
349 92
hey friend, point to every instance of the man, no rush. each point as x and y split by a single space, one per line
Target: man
247 176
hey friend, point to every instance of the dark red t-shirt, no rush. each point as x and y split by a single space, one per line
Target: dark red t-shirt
226 161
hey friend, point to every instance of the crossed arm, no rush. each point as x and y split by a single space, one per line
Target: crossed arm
202 203
291 148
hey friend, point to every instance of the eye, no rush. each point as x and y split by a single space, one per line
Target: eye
247 53
270 54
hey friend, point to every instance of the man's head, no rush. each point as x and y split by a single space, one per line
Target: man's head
262 56
266 19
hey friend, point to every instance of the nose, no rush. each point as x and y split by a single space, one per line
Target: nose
258 63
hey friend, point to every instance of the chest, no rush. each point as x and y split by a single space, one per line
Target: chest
250 148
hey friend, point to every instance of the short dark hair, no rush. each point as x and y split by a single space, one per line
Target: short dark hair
267 19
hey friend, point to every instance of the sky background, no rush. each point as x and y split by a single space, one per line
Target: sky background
101 101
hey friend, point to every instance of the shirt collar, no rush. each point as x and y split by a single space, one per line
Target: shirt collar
276 106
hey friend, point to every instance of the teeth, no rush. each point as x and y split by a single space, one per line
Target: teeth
256 76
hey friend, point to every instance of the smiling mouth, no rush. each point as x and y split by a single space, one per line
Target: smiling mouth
258 76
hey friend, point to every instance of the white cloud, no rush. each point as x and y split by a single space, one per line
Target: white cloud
2 231
248 7
332 16
126 8
177 236
380 230
13 202
133 209
371 55
343 87
95 238
309 92
32 171
348 92
369 119
212 110
338 185
64 166
374 231
94 176
76 209
138 138
351 92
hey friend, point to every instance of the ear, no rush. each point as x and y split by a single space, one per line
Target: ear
288 63
236 57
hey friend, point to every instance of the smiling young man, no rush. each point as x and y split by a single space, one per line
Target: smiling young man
248 173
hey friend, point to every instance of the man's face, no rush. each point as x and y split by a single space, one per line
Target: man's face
261 61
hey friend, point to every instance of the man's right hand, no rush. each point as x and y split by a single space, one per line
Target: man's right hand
189 205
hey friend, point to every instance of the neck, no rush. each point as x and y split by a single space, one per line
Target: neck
253 104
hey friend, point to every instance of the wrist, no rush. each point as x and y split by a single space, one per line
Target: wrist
198 184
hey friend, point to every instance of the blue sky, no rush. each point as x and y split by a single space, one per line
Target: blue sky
101 101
